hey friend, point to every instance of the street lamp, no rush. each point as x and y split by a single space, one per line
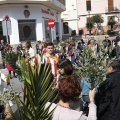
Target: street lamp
89 23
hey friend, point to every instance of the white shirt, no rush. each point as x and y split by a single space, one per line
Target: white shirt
31 52
62 113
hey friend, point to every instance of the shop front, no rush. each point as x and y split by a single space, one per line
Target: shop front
30 23
50 14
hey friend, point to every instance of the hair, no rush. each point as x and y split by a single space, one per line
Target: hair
69 88
82 41
50 44
27 45
73 44
20 45
66 65
44 44
115 65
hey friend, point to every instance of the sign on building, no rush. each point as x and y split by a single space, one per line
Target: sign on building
6 26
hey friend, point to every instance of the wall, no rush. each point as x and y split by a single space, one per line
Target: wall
97 6
70 15
16 12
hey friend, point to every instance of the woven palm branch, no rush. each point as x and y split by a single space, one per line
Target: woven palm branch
38 81
93 68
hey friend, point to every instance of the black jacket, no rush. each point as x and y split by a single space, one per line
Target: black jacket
108 98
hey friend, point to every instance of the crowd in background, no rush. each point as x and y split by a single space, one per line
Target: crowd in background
103 105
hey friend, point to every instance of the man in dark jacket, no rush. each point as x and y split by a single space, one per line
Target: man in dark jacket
117 38
108 97
106 42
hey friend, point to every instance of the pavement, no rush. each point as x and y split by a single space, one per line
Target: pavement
17 86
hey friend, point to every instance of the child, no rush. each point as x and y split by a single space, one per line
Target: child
64 68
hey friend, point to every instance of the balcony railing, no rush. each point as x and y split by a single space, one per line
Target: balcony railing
61 1
112 10
58 5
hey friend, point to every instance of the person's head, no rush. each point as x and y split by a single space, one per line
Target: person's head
92 41
27 45
20 46
67 44
44 44
119 32
92 37
106 37
29 42
69 89
73 46
114 66
81 41
2 41
57 47
50 48
65 66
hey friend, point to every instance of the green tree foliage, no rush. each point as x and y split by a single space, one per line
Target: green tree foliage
89 25
97 18
111 23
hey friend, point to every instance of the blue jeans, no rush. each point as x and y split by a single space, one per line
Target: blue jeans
19 77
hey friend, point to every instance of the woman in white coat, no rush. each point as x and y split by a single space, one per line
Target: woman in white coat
69 89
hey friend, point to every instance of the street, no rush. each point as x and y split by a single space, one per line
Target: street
17 86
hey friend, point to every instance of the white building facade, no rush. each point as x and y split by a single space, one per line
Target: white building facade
29 19
107 8
69 18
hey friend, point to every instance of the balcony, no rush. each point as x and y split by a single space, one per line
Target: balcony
112 10
61 1
58 5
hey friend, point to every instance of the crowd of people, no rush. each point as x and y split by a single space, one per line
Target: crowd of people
104 103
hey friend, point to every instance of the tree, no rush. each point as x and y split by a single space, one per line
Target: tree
111 23
98 19
90 26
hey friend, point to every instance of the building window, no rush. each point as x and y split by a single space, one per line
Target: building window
27 30
65 28
88 5
110 5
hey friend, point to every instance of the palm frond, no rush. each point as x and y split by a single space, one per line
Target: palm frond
38 89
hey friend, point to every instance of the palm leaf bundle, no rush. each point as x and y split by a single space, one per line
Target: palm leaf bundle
37 91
